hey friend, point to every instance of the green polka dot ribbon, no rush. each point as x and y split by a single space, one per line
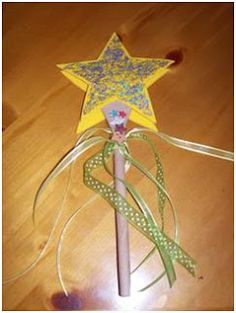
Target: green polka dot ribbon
142 220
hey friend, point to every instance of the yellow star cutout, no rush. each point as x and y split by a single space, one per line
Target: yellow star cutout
115 75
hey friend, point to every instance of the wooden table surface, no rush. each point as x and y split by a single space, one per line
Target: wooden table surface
40 113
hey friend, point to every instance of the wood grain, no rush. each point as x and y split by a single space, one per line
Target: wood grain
40 114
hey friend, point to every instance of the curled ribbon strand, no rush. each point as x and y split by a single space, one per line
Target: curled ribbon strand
161 202
83 144
188 145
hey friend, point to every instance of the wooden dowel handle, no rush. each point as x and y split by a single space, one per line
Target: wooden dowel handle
122 231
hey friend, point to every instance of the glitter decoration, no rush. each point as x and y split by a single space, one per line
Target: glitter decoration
115 75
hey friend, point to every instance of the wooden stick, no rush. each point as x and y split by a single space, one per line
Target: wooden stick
117 114
122 231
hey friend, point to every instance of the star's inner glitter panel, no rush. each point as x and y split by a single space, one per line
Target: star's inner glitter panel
115 73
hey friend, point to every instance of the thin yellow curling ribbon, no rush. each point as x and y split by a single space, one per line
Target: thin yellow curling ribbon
188 145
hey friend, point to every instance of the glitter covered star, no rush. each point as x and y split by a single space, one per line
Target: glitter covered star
115 75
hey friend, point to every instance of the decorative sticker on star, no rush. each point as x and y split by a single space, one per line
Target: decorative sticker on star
115 75
114 113
122 114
